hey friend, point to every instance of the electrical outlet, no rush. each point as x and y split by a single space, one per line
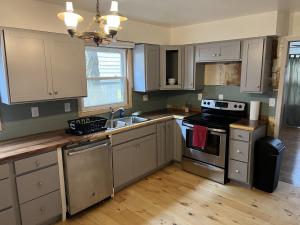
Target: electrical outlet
221 96
272 102
200 97
67 107
35 112
145 98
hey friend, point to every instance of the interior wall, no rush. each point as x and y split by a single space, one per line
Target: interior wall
36 15
294 25
235 28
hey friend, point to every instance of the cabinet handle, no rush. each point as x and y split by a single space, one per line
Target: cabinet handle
240 135
55 92
50 93
219 54
238 151
42 209
214 55
237 171
37 163
40 183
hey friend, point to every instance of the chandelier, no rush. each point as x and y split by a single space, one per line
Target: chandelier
101 30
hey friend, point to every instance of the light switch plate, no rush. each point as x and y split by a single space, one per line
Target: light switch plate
145 98
221 96
35 112
67 107
200 96
272 102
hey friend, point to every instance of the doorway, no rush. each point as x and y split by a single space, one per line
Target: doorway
290 132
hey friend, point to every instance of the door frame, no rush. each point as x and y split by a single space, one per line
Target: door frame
283 69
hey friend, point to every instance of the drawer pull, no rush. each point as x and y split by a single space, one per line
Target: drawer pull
237 171
37 163
240 135
238 151
42 210
40 183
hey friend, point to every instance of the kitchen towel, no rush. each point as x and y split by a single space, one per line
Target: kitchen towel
254 110
199 136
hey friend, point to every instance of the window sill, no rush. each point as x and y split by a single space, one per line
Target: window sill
99 111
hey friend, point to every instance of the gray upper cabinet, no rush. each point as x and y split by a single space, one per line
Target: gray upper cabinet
171 61
256 65
38 66
146 67
219 51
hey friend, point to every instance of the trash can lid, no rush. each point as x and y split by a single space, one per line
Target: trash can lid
275 146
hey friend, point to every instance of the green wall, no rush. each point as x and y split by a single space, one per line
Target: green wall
179 99
17 121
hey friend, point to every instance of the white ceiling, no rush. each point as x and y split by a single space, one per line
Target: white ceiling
186 12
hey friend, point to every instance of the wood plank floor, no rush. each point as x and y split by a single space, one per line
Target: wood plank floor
174 197
290 168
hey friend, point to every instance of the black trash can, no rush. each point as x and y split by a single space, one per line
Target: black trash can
267 160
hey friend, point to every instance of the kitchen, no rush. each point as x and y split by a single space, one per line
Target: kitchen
161 76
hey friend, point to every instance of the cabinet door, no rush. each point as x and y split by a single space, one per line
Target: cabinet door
68 67
179 134
146 157
152 67
123 163
230 51
189 67
161 143
208 52
252 63
169 140
28 68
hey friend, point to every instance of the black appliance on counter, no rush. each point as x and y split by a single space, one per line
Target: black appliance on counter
211 162
86 125
267 160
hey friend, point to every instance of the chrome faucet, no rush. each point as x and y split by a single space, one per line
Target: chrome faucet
113 112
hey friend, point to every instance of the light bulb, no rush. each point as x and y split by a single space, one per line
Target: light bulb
114 6
71 20
69 7
113 21
106 29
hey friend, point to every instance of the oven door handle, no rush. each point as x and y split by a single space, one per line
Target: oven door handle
210 129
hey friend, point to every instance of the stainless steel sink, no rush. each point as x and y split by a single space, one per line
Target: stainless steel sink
123 122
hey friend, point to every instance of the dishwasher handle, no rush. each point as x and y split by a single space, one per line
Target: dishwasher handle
72 153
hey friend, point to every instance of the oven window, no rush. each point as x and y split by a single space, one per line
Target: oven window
212 143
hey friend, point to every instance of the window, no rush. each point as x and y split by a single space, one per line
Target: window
107 80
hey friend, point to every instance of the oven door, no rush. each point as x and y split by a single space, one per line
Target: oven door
215 151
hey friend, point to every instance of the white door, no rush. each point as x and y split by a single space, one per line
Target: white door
68 67
27 66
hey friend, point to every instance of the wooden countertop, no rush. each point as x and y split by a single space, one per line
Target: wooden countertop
44 142
249 125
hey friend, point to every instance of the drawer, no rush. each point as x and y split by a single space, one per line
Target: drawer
239 150
35 162
133 134
241 135
41 210
238 171
39 183
4 171
7 217
5 194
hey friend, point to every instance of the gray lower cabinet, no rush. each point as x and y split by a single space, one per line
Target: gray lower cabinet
7 217
161 143
179 140
134 159
169 140
6 200
256 65
146 67
241 153
43 210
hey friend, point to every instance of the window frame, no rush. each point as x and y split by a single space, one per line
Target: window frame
127 78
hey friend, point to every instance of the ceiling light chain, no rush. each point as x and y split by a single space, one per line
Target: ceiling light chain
107 26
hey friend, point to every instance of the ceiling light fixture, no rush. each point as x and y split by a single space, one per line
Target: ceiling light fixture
101 30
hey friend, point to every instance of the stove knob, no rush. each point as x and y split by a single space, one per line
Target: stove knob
208 103
240 106
235 106
204 103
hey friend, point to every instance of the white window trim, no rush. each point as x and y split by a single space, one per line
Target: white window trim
96 110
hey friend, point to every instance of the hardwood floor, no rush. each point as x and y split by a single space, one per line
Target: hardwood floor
290 168
174 197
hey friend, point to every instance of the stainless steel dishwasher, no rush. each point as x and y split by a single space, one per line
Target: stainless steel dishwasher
88 174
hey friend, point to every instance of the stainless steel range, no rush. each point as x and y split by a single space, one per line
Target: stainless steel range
211 160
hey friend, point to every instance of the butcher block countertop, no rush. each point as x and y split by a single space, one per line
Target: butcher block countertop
44 142
249 125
